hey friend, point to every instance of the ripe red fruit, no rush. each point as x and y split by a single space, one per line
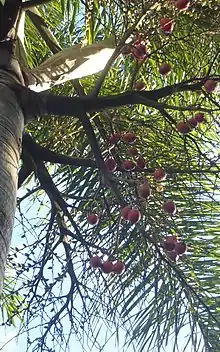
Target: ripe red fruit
199 116
139 85
180 248
172 255
129 137
95 262
182 4
210 85
125 211
128 165
167 25
193 122
141 163
110 165
140 51
93 219
160 174
169 243
107 267
114 138
183 127
144 190
134 216
169 207
118 268
164 69
132 151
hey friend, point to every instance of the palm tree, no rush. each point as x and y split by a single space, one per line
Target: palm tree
64 149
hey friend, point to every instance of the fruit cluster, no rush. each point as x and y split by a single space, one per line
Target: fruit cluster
174 248
127 165
108 266
185 127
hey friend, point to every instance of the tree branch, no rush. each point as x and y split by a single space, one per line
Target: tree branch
32 3
44 154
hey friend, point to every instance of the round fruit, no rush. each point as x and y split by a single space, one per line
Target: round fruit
128 165
114 138
172 255
199 116
134 216
160 174
125 211
139 85
93 219
180 248
129 137
96 262
110 165
141 163
183 127
140 52
169 243
210 85
107 267
132 151
169 207
167 25
144 190
118 268
193 122
164 69
182 4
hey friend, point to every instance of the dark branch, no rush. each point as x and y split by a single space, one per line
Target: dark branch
33 3
70 106
44 154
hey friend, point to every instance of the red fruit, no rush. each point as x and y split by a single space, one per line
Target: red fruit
164 69
141 163
125 211
169 243
182 4
118 268
172 255
134 216
160 174
114 138
139 85
140 51
110 165
193 122
128 165
210 85
129 137
132 151
180 248
144 190
96 262
93 219
199 116
107 267
167 25
183 127
169 207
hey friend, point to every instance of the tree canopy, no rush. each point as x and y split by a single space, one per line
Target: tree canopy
173 116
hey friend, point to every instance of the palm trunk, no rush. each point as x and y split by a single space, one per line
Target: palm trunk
11 128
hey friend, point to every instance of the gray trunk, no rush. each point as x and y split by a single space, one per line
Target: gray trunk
11 128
